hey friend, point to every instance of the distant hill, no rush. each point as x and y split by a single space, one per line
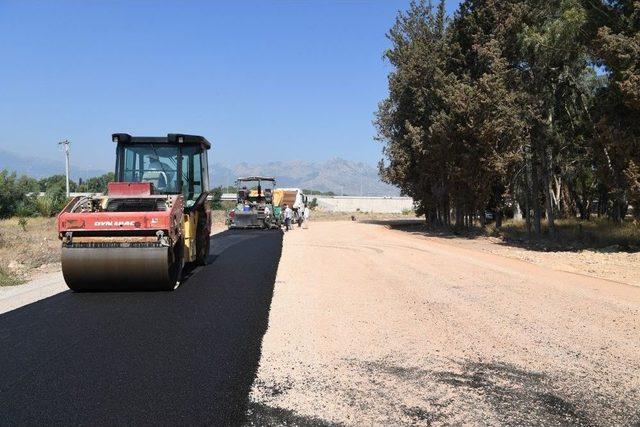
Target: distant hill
40 168
337 175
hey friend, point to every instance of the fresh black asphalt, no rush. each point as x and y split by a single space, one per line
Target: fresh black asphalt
162 358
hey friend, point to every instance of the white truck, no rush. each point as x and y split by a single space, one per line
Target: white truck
294 197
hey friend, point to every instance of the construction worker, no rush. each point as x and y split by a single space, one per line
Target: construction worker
306 214
156 173
288 215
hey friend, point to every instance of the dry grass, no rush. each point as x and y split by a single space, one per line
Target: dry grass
218 216
9 279
575 234
23 252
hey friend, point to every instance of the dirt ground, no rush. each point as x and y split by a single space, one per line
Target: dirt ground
370 325
30 252
319 215
609 263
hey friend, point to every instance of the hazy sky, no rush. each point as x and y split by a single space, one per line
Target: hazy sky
263 80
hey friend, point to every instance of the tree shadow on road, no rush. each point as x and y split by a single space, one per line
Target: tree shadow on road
183 357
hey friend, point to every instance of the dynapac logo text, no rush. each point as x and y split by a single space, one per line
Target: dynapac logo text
113 223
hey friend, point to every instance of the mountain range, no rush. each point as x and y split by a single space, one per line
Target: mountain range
337 175
39 168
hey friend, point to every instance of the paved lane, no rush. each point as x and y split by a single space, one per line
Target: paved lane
186 357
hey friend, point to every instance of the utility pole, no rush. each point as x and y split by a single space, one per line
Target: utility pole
65 144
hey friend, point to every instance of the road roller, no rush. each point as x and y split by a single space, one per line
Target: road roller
153 220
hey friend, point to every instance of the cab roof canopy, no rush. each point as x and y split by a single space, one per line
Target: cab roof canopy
257 178
171 138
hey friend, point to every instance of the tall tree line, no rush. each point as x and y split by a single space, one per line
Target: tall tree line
514 105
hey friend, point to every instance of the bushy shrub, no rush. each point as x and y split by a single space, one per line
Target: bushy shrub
8 279
19 196
45 205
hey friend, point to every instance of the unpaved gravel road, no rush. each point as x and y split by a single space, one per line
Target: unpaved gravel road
376 326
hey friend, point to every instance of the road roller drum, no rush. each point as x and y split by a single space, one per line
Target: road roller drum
132 268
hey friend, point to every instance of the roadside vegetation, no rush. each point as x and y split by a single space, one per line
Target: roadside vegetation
362 216
520 108
574 234
27 248
20 195
8 279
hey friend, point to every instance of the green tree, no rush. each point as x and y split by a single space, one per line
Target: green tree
216 198
614 42
415 161
54 182
96 184
532 103
10 194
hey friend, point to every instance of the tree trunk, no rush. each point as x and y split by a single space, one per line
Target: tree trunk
527 212
447 211
548 172
517 212
557 193
535 198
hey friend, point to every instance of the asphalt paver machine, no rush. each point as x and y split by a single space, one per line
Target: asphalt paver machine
254 204
154 219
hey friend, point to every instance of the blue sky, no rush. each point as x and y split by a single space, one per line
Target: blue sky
264 80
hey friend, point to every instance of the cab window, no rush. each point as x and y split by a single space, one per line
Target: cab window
192 182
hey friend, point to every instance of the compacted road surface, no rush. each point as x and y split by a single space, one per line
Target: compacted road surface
168 358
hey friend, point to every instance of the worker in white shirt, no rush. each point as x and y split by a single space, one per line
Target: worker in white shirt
288 215
306 214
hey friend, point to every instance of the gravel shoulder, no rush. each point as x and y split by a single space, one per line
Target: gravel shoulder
605 263
376 326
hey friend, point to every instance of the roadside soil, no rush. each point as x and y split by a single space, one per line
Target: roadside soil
30 252
319 215
609 263
370 325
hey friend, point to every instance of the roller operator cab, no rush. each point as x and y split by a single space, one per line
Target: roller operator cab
153 219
